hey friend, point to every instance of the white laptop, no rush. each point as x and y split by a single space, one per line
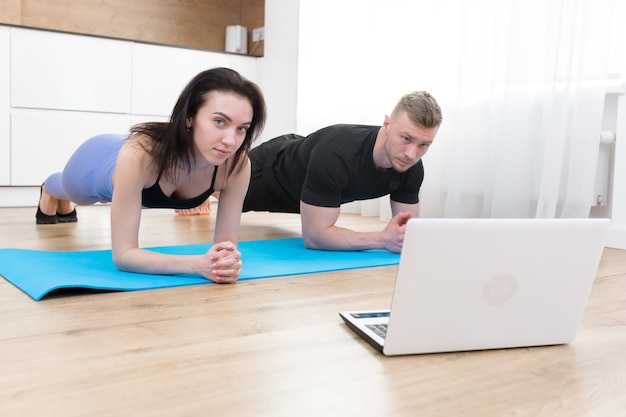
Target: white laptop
470 284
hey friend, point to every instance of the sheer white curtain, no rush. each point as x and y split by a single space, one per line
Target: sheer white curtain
521 84
528 114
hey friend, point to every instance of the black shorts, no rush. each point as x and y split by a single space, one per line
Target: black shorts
264 192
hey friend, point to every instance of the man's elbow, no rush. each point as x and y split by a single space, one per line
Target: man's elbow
311 243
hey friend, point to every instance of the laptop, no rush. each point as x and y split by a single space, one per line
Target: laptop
475 284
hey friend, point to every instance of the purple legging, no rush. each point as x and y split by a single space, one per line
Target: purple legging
88 175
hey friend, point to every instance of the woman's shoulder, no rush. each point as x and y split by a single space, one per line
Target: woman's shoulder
227 175
242 166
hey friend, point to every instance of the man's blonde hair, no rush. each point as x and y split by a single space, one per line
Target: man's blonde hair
421 107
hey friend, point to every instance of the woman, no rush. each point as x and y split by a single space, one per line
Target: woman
179 164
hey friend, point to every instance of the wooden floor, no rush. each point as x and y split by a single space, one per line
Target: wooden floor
274 347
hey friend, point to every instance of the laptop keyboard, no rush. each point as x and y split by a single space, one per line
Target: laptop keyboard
379 329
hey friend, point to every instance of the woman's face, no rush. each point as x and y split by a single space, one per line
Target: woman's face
220 126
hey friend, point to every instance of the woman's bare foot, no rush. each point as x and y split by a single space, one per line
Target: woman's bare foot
202 210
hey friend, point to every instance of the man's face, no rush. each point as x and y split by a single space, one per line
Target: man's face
405 141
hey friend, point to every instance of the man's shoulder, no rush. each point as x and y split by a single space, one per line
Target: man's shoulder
344 135
347 129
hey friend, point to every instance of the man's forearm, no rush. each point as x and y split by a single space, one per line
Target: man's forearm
342 239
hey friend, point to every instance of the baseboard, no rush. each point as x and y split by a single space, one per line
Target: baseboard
19 196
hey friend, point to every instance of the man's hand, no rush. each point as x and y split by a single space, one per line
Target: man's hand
320 232
395 230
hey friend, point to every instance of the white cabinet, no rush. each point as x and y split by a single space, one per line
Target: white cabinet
64 89
43 141
59 71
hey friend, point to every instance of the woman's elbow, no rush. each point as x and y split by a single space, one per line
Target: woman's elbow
120 263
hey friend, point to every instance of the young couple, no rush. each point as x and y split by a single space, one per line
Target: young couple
206 147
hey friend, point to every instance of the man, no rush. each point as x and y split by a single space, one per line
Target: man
314 175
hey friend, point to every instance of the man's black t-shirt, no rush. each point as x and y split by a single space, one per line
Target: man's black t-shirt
329 167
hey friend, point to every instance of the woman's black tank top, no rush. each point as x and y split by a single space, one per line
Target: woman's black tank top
153 197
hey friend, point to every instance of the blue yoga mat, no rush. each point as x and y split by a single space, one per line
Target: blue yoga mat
38 273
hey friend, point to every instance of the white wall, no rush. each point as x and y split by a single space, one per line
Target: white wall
617 234
278 69
5 102
358 60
